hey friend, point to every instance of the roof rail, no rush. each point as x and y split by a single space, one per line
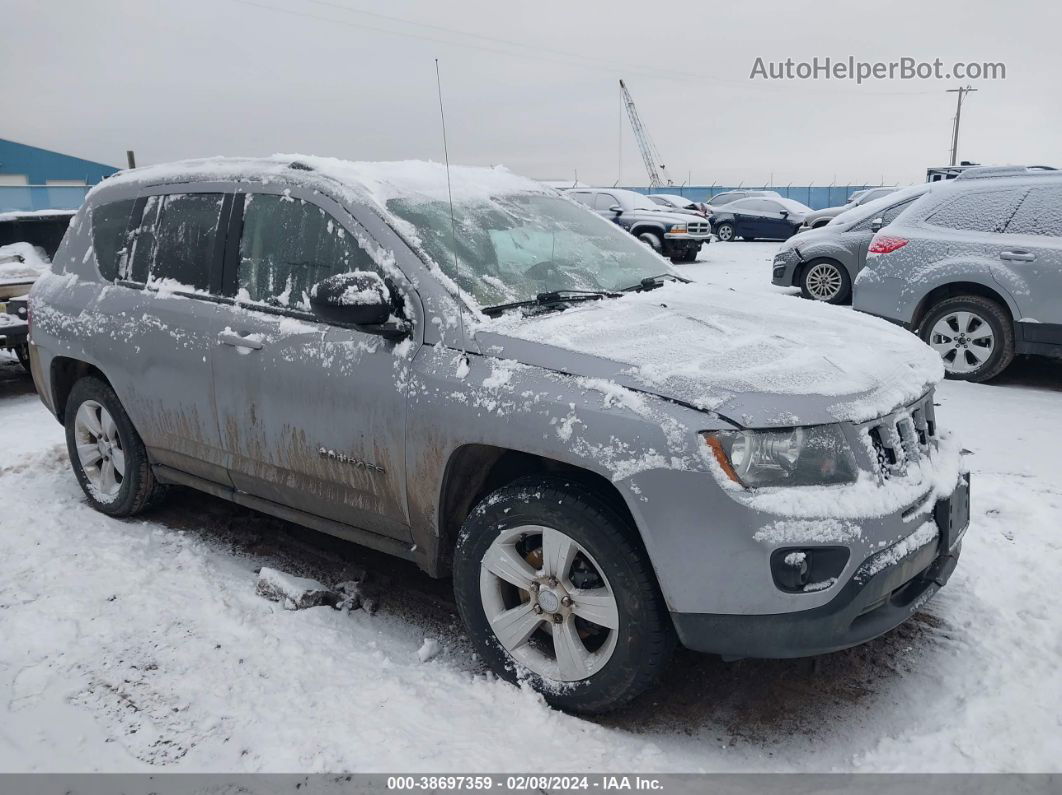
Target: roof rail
983 172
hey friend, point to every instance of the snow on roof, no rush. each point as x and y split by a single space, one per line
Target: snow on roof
379 180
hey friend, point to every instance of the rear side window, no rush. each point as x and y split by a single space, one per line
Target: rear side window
178 238
1040 213
110 227
984 211
186 239
583 198
287 246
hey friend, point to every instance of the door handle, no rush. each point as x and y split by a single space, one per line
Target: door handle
1017 256
251 341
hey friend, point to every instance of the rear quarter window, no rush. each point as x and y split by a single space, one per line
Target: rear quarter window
983 211
110 229
1040 213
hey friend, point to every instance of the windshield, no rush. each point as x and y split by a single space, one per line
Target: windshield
638 201
878 205
511 248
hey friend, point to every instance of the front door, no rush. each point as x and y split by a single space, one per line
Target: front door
313 415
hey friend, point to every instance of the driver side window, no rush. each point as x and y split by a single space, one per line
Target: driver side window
288 245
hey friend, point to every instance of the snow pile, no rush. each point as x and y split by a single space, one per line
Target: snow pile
22 262
749 358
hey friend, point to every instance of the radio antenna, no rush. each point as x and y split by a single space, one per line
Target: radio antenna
449 194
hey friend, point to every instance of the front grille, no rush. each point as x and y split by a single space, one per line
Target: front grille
905 435
697 228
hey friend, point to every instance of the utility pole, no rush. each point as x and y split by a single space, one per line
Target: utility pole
961 91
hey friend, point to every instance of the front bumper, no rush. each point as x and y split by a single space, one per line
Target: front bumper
784 268
693 238
884 591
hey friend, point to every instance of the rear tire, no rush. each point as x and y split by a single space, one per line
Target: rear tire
826 280
106 452
542 527
725 232
973 335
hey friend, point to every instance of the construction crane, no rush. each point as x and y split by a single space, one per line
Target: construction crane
650 156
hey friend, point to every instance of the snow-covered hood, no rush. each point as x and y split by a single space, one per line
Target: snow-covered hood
758 360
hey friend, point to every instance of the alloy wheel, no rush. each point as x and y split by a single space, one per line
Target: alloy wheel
725 233
99 448
964 340
824 281
548 603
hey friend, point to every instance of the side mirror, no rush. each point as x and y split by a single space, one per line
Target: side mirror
876 224
785 213
359 298
615 208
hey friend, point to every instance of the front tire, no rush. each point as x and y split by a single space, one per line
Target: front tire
973 335
554 591
652 240
106 452
725 232
826 280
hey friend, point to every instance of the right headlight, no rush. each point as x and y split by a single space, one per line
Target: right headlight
814 456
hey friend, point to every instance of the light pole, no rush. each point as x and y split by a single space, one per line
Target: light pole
961 91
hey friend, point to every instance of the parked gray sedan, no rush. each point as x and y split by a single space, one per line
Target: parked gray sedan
819 218
823 262
602 456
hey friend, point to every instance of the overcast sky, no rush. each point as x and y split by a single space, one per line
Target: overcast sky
532 85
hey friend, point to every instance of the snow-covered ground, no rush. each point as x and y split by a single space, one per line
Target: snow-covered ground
142 645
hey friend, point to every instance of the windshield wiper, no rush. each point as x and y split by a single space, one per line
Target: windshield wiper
553 298
652 282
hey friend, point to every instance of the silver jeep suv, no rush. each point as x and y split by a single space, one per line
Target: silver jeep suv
477 374
975 268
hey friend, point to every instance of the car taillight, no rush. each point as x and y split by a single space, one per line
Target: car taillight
884 244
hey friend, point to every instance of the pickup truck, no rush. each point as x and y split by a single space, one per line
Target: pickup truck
675 234
28 241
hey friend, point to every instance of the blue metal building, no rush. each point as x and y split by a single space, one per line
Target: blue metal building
32 178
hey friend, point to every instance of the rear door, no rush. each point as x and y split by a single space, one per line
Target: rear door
746 218
312 415
165 320
1033 250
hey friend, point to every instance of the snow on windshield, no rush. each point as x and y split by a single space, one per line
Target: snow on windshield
878 205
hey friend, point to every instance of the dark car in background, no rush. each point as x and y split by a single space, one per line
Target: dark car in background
730 196
673 233
824 262
759 217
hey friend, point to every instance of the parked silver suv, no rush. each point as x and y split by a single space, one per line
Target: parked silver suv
975 268
509 390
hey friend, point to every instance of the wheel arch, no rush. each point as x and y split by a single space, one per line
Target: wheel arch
646 226
65 371
952 289
475 470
